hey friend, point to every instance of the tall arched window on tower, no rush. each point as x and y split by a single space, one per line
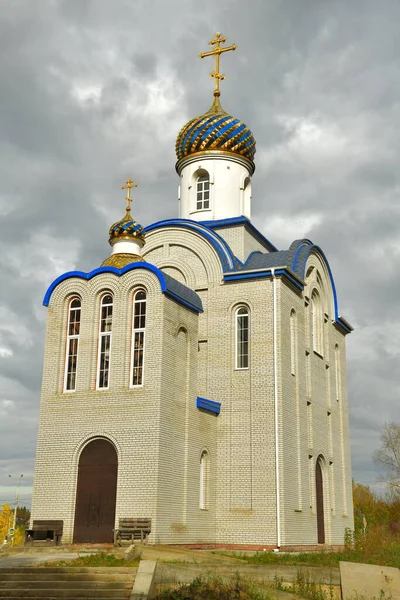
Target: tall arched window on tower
71 355
138 337
317 323
203 191
204 479
104 350
242 338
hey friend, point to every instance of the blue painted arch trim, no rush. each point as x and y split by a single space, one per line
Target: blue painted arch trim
171 288
225 254
299 263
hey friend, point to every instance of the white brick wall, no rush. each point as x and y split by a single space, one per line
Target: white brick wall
157 429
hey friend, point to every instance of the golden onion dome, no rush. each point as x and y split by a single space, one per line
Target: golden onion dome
215 130
121 260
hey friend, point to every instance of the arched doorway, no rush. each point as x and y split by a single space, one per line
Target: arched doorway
319 489
96 493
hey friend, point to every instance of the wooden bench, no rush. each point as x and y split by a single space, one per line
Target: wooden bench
49 532
132 529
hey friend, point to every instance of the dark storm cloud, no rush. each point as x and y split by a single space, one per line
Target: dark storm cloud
95 91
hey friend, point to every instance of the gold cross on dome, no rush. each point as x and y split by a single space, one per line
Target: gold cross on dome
129 185
219 39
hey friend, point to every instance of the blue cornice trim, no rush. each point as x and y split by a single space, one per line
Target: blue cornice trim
119 272
267 273
343 325
220 223
208 405
223 250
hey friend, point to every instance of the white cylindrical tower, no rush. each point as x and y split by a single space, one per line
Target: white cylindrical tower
215 163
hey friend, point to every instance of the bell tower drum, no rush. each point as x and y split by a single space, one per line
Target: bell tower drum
215 153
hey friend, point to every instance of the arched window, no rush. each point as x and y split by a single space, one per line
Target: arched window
242 338
293 342
317 322
138 337
71 355
103 367
204 479
203 191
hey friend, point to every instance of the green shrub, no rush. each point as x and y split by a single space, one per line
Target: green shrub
213 589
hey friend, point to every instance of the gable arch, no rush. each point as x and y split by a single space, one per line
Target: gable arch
318 279
187 274
206 253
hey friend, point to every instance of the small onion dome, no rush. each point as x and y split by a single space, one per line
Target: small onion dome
126 228
121 260
215 130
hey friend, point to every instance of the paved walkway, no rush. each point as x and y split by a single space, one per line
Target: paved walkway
28 559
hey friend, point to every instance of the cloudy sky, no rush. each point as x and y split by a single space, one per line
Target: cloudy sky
94 91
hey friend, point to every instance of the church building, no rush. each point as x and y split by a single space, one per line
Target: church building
197 377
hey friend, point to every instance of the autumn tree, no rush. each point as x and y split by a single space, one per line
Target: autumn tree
369 510
6 521
388 457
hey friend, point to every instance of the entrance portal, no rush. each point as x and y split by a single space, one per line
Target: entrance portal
96 493
319 488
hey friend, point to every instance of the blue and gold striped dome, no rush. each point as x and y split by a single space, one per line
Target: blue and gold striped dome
215 130
126 228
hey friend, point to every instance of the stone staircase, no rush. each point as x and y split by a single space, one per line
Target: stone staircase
69 583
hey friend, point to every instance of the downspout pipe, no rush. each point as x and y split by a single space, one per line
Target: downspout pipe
276 414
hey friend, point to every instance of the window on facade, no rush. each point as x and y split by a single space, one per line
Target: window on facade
337 372
242 335
203 192
103 369
317 323
71 362
293 342
204 478
138 337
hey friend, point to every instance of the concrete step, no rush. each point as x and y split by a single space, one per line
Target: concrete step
70 583
65 593
67 583
66 571
43 577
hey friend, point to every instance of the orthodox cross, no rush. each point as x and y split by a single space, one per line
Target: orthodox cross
219 39
129 184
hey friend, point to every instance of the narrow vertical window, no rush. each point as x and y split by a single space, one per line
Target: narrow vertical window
203 192
103 369
204 469
317 323
71 362
293 342
337 372
242 338
138 336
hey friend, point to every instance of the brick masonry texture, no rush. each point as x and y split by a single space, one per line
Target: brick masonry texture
158 432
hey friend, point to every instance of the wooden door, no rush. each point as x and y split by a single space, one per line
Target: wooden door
319 488
96 493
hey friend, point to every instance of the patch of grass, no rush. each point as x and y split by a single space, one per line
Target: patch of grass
306 587
213 589
95 560
375 548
